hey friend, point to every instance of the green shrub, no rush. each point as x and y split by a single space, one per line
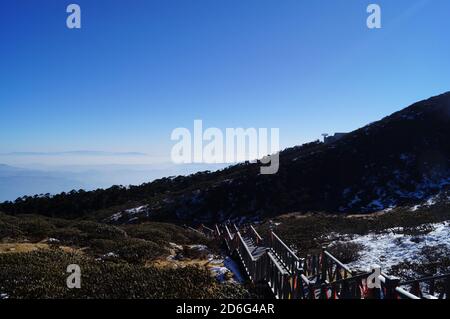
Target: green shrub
346 252
43 274
98 230
131 250
163 232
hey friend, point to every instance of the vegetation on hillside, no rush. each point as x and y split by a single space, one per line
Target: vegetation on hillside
42 274
307 233
116 262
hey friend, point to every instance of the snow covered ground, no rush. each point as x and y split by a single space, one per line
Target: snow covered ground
392 247
221 266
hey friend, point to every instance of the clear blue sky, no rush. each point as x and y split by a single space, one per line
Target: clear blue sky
138 69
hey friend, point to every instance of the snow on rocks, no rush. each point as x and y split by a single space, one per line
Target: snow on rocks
131 214
202 248
221 267
226 270
219 272
441 197
176 246
136 210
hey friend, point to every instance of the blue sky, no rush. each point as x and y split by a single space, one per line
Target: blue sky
138 69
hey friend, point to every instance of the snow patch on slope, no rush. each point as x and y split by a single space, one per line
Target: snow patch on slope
390 248
131 214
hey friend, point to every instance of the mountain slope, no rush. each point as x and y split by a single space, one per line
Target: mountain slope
400 160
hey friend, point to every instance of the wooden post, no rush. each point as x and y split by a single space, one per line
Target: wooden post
297 284
345 292
323 266
447 288
373 292
391 285
312 291
416 289
287 287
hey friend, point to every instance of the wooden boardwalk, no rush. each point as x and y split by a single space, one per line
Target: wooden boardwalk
269 261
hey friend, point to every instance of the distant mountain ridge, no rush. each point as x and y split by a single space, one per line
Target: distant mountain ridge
36 180
80 153
15 182
402 159
6 168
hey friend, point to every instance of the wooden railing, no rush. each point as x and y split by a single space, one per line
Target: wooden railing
325 267
276 276
218 231
433 287
319 276
251 232
194 230
287 257
228 237
247 259
208 231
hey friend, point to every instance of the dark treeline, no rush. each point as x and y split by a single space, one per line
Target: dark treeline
78 203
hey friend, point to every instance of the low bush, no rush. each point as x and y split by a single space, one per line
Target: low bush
346 252
43 275
432 260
